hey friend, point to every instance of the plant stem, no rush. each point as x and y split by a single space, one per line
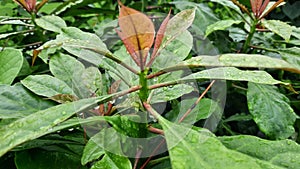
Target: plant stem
144 91
250 36
196 102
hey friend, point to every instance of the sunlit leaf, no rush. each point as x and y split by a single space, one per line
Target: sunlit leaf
271 111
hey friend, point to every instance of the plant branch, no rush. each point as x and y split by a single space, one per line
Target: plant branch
250 36
155 130
196 102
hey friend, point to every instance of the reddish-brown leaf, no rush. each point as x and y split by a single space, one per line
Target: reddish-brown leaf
137 33
159 37
272 8
263 7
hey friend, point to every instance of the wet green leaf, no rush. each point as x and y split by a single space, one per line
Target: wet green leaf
291 55
112 161
176 51
11 61
17 102
169 93
239 60
284 153
41 122
280 28
106 140
232 73
220 25
179 23
51 23
70 70
271 110
203 15
83 44
189 148
201 111
46 85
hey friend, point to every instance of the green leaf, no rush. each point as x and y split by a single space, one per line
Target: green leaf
202 110
291 55
92 151
280 28
112 161
232 73
179 23
284 153
17 102
82 44
169 93
271 111
41 159
229 4
220 25
239 60
51 23
107 140
11 61
70 70
41 122
176 51
46 85
189 148
203 15
131 126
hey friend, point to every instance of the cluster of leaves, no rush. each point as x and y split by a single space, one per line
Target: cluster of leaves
75 95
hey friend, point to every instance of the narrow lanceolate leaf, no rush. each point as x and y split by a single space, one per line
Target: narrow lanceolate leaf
137 33
189 148
51 23
46 85
41 122
280 28
11 61
220 25
159 37
271 111
284 153
238 60
232 73
17 102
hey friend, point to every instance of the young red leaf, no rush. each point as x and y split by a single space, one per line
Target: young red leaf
159 37
137 32
31 5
